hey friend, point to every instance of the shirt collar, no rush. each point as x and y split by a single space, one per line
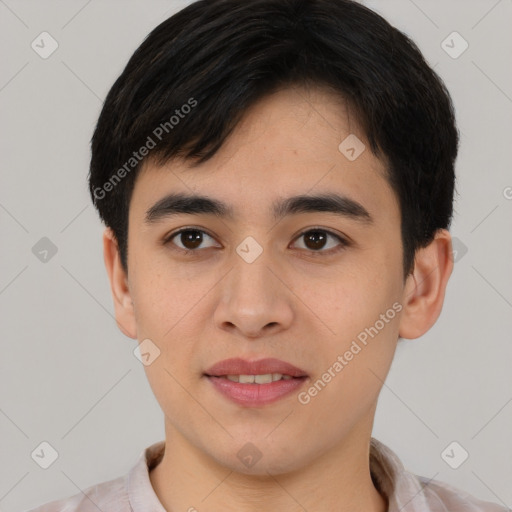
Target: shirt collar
141 494
403 490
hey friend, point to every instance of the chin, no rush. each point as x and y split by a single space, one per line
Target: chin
258 458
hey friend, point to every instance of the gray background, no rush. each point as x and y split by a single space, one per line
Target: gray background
69 376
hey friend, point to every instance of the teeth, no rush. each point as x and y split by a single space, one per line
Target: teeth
263 379
258 379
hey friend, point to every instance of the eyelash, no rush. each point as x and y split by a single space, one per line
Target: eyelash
343 242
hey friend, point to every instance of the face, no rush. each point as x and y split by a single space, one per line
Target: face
317 286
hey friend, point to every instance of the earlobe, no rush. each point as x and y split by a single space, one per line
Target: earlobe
425 288
123 304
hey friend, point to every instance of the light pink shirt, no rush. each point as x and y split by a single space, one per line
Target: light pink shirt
405 492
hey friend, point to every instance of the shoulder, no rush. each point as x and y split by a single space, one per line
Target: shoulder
408 492
110 495
441 496
116 495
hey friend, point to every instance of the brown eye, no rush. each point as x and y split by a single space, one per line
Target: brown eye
317 239
190 239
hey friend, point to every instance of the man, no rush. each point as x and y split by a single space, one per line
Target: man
276 178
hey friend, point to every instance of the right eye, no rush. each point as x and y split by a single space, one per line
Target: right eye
190 239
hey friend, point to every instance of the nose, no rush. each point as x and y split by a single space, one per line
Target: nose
255 300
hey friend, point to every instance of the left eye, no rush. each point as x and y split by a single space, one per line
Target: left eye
315 239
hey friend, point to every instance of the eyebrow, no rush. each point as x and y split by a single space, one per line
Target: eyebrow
179 203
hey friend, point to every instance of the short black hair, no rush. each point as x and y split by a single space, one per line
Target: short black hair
191 80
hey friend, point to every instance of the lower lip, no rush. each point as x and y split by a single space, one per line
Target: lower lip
254 395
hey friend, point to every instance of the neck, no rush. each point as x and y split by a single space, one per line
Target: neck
340 479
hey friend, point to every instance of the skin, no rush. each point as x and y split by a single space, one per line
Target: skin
290 304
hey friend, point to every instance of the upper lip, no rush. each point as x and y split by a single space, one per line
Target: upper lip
238 366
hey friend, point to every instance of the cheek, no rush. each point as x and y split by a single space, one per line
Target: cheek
164 317
168 307
162 300
358 357
361 314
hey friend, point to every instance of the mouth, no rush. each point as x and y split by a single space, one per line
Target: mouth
256 383
263 368
265 378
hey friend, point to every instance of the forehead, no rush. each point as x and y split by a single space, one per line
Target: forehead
293 142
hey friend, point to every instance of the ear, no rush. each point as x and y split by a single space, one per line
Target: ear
425 288
123 305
